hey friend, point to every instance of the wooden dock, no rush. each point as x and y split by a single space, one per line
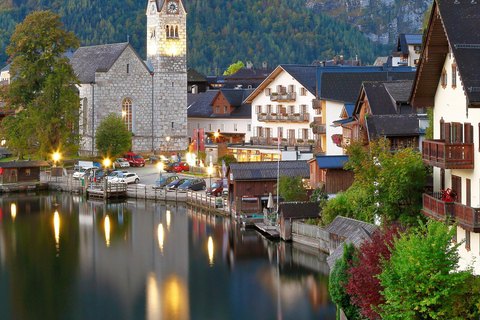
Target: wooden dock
108 191
268 231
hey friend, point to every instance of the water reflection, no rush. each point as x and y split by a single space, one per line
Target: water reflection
145 260
13 211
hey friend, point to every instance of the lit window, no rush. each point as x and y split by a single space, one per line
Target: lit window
27 172
127 113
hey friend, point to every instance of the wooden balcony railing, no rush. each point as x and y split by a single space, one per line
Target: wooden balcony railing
317 104
466 217
285 117
283 97
319 128
447 155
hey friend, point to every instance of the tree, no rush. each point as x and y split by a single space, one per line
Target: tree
422 281
234 68
292 189
112 138
42 90
386 185
363 285
338 280
228 158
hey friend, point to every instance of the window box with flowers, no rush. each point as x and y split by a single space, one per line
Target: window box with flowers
337 139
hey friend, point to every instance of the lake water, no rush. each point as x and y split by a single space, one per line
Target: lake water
63 257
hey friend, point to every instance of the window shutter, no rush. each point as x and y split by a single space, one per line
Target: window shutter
468 133
447 132
442 129
459 133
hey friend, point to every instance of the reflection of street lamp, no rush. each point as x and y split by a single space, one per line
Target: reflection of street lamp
210 171
56 157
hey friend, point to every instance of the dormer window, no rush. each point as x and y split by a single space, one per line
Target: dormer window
454 75
444 79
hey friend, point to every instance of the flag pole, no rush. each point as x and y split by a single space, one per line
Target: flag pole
278 169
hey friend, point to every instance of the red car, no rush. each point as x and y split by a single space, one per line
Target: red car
216 188
134 159
181 167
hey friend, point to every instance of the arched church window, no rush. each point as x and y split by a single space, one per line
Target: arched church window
167 29
172 32
176 31
127 113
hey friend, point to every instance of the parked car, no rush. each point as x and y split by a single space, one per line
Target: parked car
134 159
216 188
181 167
129 177
157 159
116 173
94 175
163 181
121 163
192 184
174 184
169 167
80 173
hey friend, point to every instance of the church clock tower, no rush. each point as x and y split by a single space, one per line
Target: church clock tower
167 52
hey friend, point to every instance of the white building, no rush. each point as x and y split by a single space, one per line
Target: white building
449 82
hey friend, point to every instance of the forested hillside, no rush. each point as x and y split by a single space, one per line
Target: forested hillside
220 32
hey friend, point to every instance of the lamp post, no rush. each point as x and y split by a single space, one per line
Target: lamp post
56 157
167 139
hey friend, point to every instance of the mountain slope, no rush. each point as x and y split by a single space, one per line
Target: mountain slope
220 32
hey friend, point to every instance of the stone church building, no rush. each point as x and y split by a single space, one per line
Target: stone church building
151 96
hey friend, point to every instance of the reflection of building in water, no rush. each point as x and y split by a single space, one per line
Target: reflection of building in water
134 262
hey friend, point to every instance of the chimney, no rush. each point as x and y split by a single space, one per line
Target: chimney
249 64
341 57
335 60
264 64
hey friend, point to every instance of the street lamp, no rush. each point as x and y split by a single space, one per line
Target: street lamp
167 139
210 171
56 157
106 164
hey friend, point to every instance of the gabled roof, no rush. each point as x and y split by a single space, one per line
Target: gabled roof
299 209
24 164
6 68
331 162
267 170
202 106
454 25
88 60
344 85
343 226
304 74
392 125
194 76
250 73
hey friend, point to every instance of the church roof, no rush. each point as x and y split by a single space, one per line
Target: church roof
88 60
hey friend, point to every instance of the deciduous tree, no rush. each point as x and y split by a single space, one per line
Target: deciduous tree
234 68
292 189
42 90
338 281
112 138
422 281
363 285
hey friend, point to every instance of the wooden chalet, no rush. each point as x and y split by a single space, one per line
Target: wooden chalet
328 172
448 81
250 183
21 171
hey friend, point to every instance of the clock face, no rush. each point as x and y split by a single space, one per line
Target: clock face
152 9
172 7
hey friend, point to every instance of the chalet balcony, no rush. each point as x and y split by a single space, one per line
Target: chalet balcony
274 117
317 104
283 97
444 155
290 142
466 217
319 128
